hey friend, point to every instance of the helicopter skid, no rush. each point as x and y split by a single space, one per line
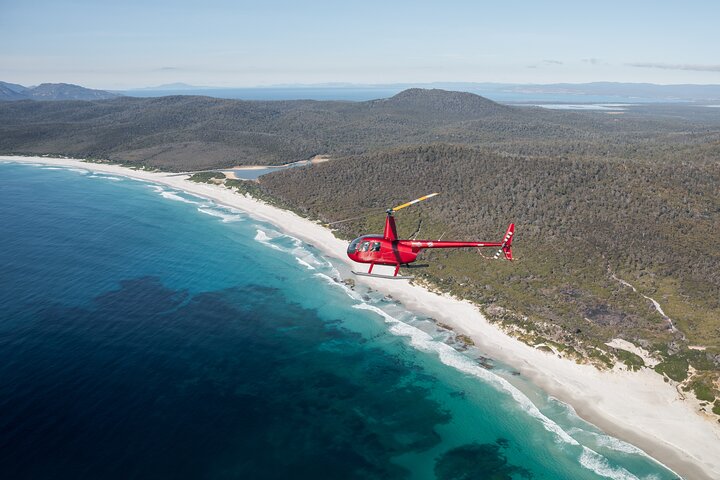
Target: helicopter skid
388 277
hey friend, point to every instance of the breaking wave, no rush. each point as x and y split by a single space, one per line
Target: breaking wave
348 291
176 197
173 195
107 177
278 241
612 443
224 216
592 460
263 237
304 263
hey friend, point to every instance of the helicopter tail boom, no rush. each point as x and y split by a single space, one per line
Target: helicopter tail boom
505 245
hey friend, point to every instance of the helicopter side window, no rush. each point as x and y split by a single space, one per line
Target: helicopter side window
365 246
375 247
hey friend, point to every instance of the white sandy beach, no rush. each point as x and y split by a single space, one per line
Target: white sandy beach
638 407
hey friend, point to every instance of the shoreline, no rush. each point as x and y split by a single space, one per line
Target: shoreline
637 407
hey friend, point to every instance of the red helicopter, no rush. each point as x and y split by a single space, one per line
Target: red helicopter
387 249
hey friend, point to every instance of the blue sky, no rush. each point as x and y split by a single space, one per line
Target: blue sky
131 43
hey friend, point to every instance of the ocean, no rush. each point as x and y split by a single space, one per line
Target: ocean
148 333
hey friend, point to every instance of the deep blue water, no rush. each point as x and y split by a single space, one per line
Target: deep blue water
146 333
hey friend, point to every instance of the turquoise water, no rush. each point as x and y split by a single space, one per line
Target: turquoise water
148 333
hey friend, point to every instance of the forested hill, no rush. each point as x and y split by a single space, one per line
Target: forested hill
194 133
440 104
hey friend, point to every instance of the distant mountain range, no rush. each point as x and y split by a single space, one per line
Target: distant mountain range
602 92
503 92
177 86
51 91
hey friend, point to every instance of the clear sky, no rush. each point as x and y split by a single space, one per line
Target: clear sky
132 43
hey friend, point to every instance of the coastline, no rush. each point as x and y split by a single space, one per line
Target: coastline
638 407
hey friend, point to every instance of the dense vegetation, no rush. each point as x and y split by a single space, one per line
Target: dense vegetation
596 199
206 177
579 222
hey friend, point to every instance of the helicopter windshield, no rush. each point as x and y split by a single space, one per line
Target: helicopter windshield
352 248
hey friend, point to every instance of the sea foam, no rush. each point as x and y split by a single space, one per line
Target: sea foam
263 237
176 197
106 177
173 195
348 291
304 263
592 460
225 217
304 256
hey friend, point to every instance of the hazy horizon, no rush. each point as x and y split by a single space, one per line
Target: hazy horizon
563 93
439 84
380 85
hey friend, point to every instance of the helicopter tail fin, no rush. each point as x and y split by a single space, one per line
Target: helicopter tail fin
506 247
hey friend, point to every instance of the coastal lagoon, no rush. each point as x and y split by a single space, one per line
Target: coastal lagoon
148 333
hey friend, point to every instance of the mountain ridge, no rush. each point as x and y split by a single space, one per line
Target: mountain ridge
51 92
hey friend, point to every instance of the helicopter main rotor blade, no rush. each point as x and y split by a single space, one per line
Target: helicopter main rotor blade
413 202
392 210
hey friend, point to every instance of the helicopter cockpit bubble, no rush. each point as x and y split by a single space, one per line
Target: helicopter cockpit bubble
352 248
